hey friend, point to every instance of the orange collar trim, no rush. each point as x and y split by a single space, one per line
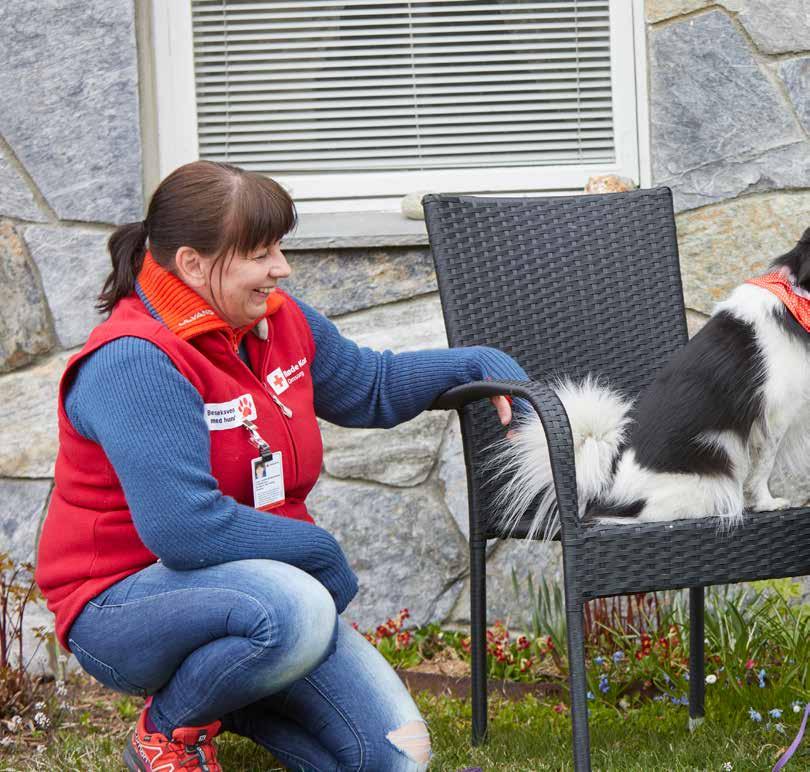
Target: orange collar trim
183 311
796 300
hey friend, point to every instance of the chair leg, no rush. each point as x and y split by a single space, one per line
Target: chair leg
478 635
579 690
697 669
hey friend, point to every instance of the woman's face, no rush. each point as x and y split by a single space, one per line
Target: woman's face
239 292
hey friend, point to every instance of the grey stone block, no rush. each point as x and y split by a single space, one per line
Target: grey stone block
542 560
409 325
25 329
714 112
338 282
16 198
402 456
73 265
401 544
775 28
69 104
453 476
796 75
22 506
28 433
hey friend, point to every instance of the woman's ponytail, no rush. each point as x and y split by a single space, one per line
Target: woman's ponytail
127 247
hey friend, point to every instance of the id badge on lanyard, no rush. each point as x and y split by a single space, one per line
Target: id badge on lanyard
266 471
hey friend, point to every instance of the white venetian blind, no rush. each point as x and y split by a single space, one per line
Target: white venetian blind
326 87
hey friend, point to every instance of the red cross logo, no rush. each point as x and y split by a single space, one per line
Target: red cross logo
278 383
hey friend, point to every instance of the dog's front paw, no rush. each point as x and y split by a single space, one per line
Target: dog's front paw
770 504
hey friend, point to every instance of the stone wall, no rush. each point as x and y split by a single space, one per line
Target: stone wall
730 121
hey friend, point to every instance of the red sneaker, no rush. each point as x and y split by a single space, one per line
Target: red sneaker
191 749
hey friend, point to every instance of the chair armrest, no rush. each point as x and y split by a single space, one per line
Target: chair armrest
555 423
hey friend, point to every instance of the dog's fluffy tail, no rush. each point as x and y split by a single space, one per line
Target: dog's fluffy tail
598 416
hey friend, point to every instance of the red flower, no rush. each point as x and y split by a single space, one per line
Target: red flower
749 664
383 632
523 643
560 707
526 664
404 638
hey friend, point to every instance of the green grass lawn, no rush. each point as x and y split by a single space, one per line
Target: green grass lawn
524 736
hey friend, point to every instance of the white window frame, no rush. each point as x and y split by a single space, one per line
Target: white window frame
177 142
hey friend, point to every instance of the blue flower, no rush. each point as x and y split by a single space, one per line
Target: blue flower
761 676
796 705
618 656
684 700
686 675
590 696
753 715
599 661
604 686
775 713
666 678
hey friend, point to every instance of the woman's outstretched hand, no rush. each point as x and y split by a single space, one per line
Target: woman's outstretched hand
504 407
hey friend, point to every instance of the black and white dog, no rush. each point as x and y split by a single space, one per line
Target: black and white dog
705 434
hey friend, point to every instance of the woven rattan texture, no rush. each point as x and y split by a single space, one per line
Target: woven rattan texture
568 286
693 553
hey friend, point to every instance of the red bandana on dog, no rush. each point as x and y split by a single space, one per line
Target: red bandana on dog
783 285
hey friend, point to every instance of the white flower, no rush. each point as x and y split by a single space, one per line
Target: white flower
15 724
5 742
41 720
39 706
61 689
711 678
727 766
40 749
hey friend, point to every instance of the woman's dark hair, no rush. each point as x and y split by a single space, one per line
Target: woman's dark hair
214 208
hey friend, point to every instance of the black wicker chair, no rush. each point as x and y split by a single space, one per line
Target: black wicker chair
572 285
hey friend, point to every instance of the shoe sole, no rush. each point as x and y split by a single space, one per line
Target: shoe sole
132 760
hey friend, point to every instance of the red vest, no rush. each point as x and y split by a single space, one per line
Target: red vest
88 540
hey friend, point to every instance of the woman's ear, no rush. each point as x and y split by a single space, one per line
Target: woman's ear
190 267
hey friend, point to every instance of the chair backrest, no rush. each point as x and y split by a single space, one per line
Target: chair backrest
566 285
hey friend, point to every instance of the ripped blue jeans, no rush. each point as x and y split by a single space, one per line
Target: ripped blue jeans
258 645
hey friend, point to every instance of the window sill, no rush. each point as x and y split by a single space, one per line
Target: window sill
356 229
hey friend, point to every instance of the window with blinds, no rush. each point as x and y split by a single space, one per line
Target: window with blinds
327 88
